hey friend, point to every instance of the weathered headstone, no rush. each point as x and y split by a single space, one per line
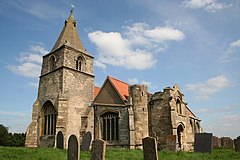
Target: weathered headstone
216 142
150 148
203 142
227 142
47 141
171 143
60 140
73 152
98 150
87 138
237 144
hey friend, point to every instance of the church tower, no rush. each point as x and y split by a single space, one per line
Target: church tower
65 92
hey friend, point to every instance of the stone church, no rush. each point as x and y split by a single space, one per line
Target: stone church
68 104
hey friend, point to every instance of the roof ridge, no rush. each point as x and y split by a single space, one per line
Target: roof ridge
118 80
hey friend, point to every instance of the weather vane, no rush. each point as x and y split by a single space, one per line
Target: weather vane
72 7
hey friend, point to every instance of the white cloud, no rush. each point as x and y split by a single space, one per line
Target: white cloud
235 44
204 90
208 5
135 47
30 61
230 54
40 9
150 85
133 81
33 84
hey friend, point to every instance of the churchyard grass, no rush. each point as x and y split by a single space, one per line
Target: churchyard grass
20 153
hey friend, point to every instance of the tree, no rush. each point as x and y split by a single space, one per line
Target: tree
4 136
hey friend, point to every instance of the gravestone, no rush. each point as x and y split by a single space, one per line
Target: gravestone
171 143
47 141
237 144
87 138
60 140
203 142
216 142
73 152
98 150
150 148
227 142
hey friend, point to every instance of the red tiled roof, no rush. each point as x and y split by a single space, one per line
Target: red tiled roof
96 91
121 87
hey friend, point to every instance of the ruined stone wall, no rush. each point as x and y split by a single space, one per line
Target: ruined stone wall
170 120
139 99
31 132
160 120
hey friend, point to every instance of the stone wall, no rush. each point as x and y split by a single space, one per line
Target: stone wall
139 99
123 124
160 121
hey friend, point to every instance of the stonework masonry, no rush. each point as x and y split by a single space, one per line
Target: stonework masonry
119 113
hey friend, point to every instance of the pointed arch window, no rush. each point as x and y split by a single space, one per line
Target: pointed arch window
79 63
52 63
49 115
110 126
178 105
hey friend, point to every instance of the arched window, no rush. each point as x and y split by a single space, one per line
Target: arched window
52 62
178 105
79 63
110 127
49 115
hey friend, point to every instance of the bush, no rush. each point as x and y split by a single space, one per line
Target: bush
9 139
4 136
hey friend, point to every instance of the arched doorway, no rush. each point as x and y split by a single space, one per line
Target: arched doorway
60 140
180 135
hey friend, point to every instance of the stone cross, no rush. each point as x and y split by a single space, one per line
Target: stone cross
150 148
203 142
73 151
98 150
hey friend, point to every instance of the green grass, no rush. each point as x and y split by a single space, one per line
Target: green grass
20 153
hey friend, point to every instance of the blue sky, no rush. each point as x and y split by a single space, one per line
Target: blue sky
194 43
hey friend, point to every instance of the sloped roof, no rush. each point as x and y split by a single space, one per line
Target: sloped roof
96 91
190 113
121 87
69 36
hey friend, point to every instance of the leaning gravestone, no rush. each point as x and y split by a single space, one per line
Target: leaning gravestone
237 144
73 148
60 140
150 148
203 142
87 138
98 150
